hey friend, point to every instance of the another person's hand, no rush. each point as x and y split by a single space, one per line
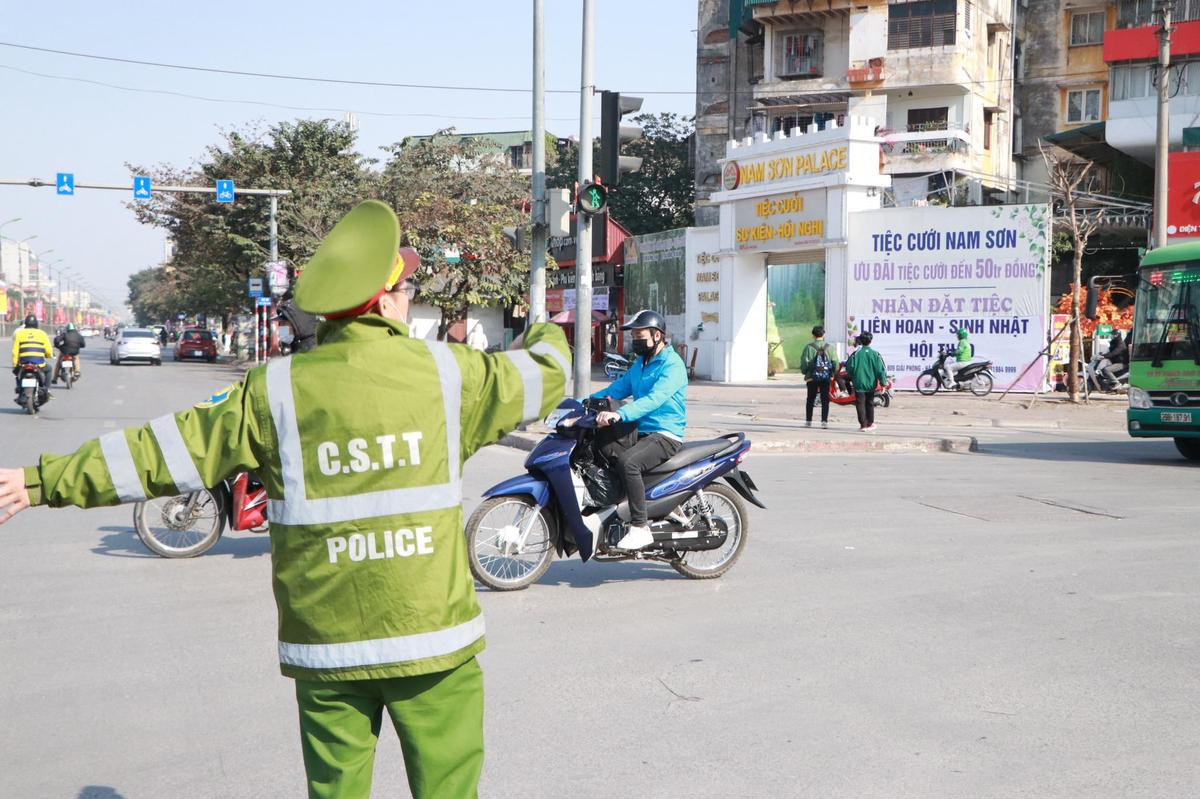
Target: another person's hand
605 418
13 496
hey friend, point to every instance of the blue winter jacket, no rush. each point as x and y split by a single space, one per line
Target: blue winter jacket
659 391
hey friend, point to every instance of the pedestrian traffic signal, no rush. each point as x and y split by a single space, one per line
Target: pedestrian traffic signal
613 135
593 198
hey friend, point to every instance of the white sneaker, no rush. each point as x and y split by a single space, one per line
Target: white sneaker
636 538
824 425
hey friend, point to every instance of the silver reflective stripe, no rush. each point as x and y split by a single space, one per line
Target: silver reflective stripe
545 348
283 414
450 378
531 379
121 467
393 502
175 453
401 649
297 509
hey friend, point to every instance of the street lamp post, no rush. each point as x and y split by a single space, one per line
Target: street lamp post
21 277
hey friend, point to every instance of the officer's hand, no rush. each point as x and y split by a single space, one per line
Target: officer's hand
13 496
605 418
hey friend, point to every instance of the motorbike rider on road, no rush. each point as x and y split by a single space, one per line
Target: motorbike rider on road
1116 360
657 381
69 342
962 356
32 345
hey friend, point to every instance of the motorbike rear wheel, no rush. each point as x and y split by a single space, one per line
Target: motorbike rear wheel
69 377
729 512
170 531
927 383
492 533
883 400
29 400
981 384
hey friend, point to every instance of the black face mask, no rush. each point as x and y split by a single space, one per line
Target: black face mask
641 347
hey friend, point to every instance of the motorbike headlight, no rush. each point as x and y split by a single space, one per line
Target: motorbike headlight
1139 399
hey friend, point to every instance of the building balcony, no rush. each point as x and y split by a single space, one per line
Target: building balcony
926 148
1130 125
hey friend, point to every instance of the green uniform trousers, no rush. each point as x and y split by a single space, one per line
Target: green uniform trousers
439 718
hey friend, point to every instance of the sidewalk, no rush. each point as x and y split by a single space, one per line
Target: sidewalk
772 415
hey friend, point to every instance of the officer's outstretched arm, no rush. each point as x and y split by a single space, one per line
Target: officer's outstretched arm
503 389
173 454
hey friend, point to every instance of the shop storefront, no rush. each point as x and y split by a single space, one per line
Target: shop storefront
608 250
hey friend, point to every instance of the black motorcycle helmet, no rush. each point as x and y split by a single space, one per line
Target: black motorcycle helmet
31 321
646 319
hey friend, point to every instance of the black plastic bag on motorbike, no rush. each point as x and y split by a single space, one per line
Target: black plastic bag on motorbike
598 463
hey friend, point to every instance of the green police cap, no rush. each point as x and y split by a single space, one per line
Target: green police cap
354 263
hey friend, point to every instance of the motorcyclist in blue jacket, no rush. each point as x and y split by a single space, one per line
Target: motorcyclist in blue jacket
657 382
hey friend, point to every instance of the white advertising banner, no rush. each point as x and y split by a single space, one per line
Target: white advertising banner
918 275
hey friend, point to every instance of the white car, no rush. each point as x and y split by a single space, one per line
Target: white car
135 344
89 332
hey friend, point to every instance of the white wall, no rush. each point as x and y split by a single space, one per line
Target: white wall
710 343
492 321
868 35
899 103
423 322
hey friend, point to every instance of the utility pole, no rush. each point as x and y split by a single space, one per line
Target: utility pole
583 222
537 239
1162 10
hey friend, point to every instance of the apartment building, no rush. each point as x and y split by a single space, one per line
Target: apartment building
935 75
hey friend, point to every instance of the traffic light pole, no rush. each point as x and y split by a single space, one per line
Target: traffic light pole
538 243
583 222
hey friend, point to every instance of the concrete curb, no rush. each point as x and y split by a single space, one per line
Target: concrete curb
954 444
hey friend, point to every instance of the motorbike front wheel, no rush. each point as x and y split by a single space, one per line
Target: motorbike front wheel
927 384
981 384
729 514
883 400
168 528
497 556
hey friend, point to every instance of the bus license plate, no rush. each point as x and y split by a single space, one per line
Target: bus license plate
1175 416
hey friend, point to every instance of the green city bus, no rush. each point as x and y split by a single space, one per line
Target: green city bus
1164 358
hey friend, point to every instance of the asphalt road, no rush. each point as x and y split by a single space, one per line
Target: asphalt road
1014 622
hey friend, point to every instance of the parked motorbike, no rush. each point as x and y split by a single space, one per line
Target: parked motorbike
976 377
31 394
564 505
67 372
188 525
615 365
848 396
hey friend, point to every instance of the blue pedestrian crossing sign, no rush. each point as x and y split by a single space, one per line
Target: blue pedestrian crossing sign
141 188
224 191
65 182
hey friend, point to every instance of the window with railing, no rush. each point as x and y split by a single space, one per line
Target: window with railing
921 23
923 119
1140 13
801 55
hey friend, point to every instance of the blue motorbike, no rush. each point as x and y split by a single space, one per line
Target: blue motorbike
565 503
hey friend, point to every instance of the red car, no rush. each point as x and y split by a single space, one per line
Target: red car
196 344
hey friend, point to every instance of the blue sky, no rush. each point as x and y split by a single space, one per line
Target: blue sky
51 124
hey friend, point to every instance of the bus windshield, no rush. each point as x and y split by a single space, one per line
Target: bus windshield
1166 324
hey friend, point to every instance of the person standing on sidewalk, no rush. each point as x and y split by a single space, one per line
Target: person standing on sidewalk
818 363
867 371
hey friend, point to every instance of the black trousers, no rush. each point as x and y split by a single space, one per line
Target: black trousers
649 451
864 403
816 387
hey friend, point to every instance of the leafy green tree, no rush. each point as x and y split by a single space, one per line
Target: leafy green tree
219 245
659 196
451 197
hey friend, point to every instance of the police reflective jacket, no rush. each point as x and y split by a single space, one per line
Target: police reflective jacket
31 345
360 444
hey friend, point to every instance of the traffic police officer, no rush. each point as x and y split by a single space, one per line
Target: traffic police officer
360 444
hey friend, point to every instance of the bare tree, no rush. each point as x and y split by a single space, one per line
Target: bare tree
1071 179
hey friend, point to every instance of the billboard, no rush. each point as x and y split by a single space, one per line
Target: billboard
918 275
1183 195
656 277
